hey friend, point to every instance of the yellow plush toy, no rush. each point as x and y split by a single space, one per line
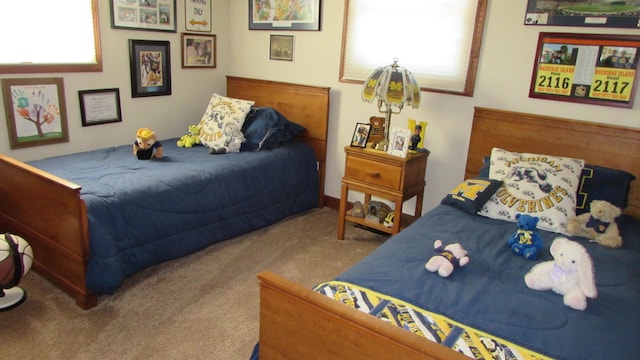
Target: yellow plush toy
146 145
192 137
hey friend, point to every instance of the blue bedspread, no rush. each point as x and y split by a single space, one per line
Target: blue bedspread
144 212
489 294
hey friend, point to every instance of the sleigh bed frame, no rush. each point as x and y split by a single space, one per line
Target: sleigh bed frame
296 322
49 212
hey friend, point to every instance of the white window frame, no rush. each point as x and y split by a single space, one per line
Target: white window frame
40 27
377 31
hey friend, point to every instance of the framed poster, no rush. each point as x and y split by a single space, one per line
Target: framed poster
36 111
150 64
617 14
198 51
155 15
100 106
360 135
284 15
281 47
197 15
586 68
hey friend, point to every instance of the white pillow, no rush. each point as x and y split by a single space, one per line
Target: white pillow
538 185
220 112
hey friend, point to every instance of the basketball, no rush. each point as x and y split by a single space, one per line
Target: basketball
10 245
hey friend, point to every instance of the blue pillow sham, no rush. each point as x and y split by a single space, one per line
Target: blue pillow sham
471 194
596 183
266 128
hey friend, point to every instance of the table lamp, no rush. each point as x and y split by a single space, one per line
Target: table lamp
393 86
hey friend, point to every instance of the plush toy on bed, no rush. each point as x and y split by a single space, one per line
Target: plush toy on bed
447 258
233 139
146 145
570 273
192 137
526 241
598 225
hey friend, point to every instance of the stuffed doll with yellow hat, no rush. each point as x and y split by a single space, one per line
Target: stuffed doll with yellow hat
146 145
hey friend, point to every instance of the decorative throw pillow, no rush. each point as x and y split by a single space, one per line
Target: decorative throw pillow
471 194
266 128
602 183
538 185
222 113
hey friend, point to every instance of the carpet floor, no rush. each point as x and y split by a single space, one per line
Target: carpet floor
202 306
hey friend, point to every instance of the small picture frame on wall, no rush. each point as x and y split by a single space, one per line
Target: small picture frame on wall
150 63
36 111
399 139
281 47
101 106
360 135
198 51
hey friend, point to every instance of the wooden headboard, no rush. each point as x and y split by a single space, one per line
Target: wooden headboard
598 144
303 104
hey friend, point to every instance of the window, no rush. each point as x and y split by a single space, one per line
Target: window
49 36
437 40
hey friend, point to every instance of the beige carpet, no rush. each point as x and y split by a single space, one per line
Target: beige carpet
203 306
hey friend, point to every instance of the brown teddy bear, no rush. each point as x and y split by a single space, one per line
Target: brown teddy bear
598 225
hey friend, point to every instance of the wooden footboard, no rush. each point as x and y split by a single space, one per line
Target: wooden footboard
298 323
48 212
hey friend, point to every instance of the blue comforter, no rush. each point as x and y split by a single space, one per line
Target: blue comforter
489 294
144 212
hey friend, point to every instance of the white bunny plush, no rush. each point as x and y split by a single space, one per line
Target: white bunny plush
570 273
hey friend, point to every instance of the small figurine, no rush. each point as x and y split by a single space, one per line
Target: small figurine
415 138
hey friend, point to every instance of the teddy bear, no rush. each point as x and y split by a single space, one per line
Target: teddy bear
525 241
598 225
146 145
570 274
447 258
192 137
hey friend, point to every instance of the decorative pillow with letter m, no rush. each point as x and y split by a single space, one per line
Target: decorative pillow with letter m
471 194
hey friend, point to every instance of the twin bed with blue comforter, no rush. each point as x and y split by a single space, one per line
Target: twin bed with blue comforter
95 218
388 306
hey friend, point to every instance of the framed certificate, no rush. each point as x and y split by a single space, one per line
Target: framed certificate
586 68
100 106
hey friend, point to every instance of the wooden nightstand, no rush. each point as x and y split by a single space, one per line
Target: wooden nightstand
375 173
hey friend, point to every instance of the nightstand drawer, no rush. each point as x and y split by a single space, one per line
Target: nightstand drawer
374 173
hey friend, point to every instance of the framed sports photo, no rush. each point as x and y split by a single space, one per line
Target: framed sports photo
150 63
360 135
399 139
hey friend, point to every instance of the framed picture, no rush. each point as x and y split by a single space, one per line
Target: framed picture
155 15
197 15
399 139
100 106
198 51
150 63
616 14
360 135
281 47
36 111
284 15
586 68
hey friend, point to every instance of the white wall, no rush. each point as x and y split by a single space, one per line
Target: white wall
169 116
503 81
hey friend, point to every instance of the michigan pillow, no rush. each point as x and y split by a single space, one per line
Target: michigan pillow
539 185
222 113
471 194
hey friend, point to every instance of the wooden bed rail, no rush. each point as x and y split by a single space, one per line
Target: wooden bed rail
56 225
298 323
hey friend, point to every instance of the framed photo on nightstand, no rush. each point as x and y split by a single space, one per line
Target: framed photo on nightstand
360 135
399 142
